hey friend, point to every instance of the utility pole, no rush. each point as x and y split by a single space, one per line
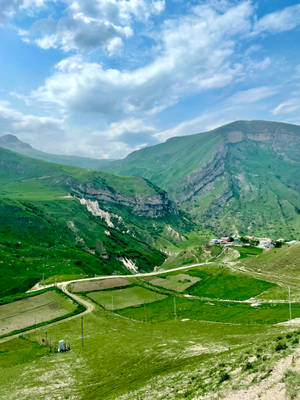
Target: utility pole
290 304
82 331
175 313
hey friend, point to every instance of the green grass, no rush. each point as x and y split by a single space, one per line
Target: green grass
36 242
121 355
178 282
279 293
292 384
122 298
226 312
32 190
248 251
284 261
43 235
217 282
20 351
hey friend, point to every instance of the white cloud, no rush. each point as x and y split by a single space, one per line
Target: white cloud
287 107
279 21
204 122
130 125
114 46
9 8
30 127
253 95
194 53
93 24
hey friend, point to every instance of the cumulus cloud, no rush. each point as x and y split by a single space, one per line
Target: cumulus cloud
194 53
8 8
92 24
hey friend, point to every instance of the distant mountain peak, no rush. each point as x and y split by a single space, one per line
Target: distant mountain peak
12 142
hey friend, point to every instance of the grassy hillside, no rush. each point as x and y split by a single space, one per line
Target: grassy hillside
242 177
45 232
170 345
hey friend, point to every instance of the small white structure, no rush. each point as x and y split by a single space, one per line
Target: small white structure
61 346
265 243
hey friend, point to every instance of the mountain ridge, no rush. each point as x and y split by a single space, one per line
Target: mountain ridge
52 217
245 169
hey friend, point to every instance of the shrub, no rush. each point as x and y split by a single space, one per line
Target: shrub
281 346
248 366
224 377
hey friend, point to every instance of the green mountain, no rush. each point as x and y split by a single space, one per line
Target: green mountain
242 177
60 220
12 143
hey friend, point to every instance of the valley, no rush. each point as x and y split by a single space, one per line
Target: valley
191 350
184 288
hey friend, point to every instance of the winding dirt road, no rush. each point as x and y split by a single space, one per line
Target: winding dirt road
90 306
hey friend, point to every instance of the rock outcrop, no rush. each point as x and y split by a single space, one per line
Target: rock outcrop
156 205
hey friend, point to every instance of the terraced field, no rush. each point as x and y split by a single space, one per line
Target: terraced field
178 282
34 310
123 298
222 283
99 284
227 312
175 342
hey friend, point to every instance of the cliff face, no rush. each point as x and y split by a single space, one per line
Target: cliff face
241 177
156 205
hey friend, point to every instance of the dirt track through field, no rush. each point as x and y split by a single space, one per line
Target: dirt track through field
90 306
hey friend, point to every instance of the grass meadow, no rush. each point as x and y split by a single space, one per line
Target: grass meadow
122 298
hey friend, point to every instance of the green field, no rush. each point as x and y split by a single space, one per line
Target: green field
248 251
226 312
178 282
121 355
280 293
161 349
117 299
34 310
218 282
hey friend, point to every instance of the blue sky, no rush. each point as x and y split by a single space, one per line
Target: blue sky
103 78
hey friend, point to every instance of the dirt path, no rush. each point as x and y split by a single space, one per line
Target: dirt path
90 306
271 388
38 286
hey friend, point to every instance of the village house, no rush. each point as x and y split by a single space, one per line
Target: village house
265 243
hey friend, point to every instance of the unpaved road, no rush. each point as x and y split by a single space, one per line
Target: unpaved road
87 304
143 275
